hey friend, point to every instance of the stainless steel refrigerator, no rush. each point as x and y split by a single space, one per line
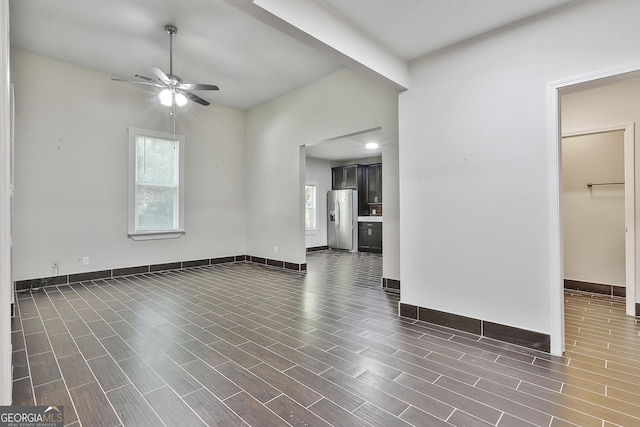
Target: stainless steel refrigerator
342 217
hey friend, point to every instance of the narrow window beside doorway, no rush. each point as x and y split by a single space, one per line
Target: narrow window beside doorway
156 182
310 203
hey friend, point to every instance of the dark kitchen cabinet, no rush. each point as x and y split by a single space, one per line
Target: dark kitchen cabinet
374 183
345 177
351 177
370 237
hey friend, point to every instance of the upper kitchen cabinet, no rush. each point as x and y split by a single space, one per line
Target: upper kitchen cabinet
374 183
347 177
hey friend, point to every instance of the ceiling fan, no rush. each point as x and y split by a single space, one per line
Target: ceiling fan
174 91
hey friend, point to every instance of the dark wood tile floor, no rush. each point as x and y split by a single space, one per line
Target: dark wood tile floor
239 344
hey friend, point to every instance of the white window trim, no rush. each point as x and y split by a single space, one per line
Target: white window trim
316 229
154 235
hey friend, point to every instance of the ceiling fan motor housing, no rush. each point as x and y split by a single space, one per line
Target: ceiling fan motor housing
174 80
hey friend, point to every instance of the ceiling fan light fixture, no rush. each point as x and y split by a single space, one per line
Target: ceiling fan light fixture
166 97
181 100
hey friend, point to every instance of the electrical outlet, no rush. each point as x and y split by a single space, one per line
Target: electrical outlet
55 264
85 260
275 249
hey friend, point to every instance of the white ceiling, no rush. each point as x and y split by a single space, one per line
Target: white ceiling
242 47
215 44
413 28
347 147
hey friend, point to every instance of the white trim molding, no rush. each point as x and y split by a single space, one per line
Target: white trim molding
6 288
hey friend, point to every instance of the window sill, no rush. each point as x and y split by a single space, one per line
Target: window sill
312 231
156 235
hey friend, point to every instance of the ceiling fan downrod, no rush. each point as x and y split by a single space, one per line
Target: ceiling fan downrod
171 29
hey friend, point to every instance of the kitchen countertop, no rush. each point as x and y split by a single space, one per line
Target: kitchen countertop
369 219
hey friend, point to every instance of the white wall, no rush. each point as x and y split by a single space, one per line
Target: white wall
593 217
339 104
473 146
318 172
71 172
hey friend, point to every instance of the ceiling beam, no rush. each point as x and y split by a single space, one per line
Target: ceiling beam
320 28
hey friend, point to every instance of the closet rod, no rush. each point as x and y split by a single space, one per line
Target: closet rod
591 184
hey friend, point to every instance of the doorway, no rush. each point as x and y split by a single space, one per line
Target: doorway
556 90
320 158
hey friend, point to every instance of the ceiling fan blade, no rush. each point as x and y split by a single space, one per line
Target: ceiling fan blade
197 86
162 76
141 77
194 98
140 82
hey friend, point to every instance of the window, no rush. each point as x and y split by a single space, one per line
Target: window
310 214
156 182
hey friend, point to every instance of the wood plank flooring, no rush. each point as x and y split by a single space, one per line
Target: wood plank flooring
242 344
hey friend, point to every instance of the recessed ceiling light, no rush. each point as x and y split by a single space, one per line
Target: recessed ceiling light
371 146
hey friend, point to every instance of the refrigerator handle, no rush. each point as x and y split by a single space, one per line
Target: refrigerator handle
337 214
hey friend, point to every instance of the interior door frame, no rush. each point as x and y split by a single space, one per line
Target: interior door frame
554 185
629 205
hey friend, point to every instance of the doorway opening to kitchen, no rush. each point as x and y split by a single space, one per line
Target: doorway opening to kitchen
343 198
